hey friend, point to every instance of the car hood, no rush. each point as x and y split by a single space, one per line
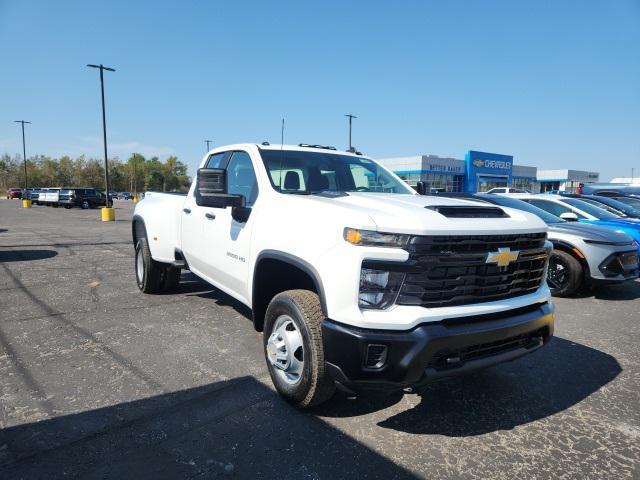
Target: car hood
408 213
590 232
615 223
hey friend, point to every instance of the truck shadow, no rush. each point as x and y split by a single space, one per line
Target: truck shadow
191 285
25 255
560 375
237 427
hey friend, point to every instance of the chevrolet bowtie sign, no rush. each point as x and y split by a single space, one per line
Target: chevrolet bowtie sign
492 164
503 257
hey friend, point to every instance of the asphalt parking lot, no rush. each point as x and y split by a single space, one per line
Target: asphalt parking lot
101 381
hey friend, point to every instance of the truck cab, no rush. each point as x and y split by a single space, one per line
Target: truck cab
357 282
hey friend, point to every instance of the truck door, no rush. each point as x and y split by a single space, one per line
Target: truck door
226 240
194 218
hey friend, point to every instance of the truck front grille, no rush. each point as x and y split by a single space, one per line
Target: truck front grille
453 270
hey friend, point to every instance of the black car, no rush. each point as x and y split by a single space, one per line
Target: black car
83 198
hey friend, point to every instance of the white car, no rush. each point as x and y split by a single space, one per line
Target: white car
507 190
356 281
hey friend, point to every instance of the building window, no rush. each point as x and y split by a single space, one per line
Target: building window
523 183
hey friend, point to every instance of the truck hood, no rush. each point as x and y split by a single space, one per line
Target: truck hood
590 232
408 213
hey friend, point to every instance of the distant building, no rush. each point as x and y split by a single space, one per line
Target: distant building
482 171
565 180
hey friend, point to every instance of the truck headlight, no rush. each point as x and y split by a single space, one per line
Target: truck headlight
375 239
378 288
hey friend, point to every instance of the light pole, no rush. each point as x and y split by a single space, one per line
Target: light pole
102 68
24 153
351 117
135 180
208 142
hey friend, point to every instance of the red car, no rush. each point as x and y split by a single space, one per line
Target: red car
14 193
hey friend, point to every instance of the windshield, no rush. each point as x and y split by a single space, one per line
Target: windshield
547 217
599 213
633 202
613 206
300 172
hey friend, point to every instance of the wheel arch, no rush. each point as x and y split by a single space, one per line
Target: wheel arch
275 272
138 229
571 250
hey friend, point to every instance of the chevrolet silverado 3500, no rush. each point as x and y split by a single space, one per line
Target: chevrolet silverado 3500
356 281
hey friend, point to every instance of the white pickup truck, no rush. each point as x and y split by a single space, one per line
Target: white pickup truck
356 281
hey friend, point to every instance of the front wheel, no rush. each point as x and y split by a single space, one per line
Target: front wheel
565 274
293 348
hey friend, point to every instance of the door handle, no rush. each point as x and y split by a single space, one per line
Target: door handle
210 216
186 210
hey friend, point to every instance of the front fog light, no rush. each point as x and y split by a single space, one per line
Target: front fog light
378 288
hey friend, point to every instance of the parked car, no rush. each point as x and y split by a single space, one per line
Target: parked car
125 196
83 198
582 254
354 279
34 193
610 189
630 200
507 190
14 193
574 209
49 197
609 204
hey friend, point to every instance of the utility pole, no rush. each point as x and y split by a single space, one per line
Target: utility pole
104 129
24 153
351 117
208 142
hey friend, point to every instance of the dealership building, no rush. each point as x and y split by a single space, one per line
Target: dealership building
482 171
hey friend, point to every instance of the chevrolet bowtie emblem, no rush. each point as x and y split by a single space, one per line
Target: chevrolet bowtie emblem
503 257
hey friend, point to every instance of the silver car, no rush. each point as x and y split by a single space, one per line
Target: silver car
583 253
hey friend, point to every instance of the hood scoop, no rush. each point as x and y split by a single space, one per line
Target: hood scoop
468 211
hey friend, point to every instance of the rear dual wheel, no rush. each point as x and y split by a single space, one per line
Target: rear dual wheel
153 276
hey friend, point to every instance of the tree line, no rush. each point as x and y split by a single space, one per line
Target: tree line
137 174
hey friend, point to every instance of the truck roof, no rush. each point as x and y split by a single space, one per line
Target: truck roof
300 147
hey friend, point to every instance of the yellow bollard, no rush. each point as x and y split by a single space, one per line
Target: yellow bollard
108 214
136 199
26 203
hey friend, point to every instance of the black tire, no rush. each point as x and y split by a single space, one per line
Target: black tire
303 307
85 205
565 274
150 279
67 207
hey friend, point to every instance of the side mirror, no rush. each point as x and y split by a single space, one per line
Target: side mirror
211 189
421 188
569 216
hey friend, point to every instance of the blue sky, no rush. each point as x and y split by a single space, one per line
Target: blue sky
554 83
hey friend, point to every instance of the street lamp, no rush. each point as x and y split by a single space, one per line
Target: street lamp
351 117
24 152
208 142
108 214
